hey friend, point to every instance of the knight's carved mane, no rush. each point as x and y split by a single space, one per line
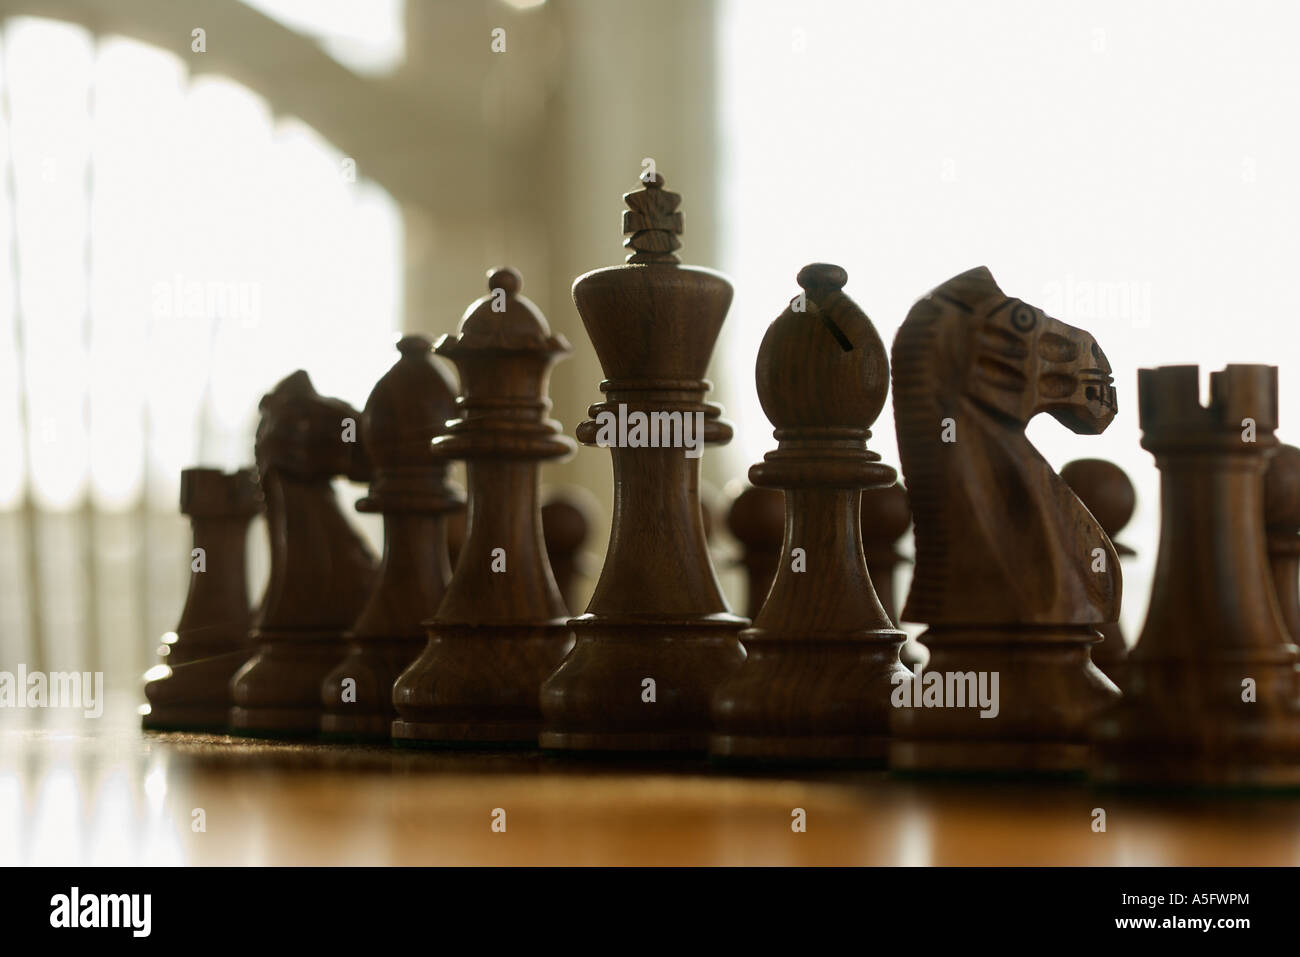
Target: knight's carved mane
991 515
924 373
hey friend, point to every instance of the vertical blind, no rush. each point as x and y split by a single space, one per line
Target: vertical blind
169 249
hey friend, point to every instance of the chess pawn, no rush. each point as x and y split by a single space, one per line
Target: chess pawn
1211 694
822 656
407 409
1282 529
211 640
565 523
321 569
757 520
657 636
1109 495
886 517
1007 576
501 627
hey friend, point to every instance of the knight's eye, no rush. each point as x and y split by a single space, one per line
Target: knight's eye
1056 348
1023 318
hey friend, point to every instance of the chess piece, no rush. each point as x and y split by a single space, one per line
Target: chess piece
1109 495
886 517
1013 575
501 626
321 569
211 640
457 525
1211 695
657 636
1282 530
407 409
757 520
565 523
822 656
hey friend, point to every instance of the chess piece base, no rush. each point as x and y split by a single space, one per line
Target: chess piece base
598 699
277 693
195 696
374 664
477 685
1185 724
808 698
865 750
1048 691
989 757
499 734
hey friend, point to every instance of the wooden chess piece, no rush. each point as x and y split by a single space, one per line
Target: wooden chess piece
321 569
1109 495
1282 529
886 517
822 656
757 520
565 523
1211 698
502 626
1008 578
407 409
657 636
211 640
457 526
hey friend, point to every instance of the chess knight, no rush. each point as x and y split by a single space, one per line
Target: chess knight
1013 574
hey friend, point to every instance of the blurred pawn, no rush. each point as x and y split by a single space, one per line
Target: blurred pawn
886 517
757 519
566 523
1108 494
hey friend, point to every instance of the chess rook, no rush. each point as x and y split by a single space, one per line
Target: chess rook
822 656
1211 698
211 639
501 627
407 409
1282 527
657 637
1109 495
321 569
1013 575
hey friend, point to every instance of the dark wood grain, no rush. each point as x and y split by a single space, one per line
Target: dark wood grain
822 655
501 628
321 569
211 638
1282 529
408 408
1013 575
1211 695
657 614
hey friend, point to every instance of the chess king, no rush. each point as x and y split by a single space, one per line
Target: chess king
1013 574
658 636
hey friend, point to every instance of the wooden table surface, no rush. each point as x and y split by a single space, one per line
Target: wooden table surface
113 795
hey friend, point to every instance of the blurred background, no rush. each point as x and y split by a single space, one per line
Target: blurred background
197 198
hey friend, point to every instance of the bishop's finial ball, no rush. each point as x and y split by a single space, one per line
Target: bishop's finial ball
506 278
1282 489
414 345
1104 489
822 276
822 363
